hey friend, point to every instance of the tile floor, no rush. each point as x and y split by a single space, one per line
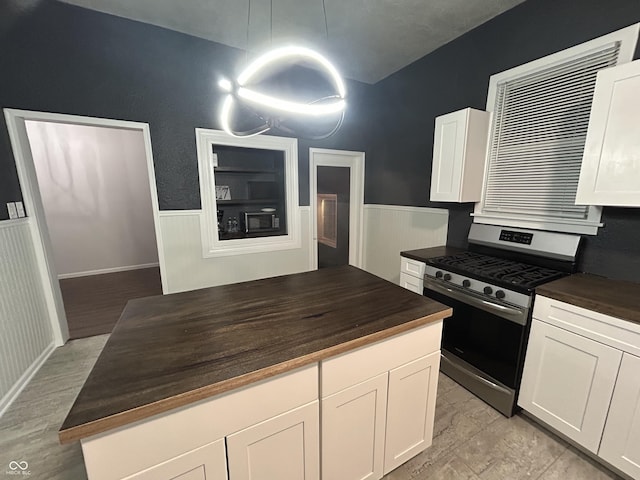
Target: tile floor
471 440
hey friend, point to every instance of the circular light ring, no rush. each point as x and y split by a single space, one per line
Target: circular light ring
240 92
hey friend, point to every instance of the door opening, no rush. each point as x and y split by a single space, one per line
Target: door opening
337 200
81 203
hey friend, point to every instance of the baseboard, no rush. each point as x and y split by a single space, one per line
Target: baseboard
25 378
101 271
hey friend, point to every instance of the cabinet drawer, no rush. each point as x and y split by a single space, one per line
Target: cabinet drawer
414 284
411 267
612 331
353 367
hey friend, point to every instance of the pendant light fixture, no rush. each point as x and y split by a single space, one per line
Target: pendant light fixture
273 111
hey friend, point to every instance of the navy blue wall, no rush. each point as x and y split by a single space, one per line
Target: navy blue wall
457 76
59 58
56 57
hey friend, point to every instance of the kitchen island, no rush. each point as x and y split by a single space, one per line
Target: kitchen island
230 380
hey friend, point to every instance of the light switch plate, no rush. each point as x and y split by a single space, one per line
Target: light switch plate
11 207
20 209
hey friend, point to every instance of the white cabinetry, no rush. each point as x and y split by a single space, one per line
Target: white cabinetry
205 463
610 173
410 410
568 382
581 378
459 153
353 431
284 447
411 274
378 405
621 440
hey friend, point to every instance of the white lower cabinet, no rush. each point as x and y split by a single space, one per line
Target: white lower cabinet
205 463
621 439
411 274
378 405
581 377
410 410
353 431
568 382
285 447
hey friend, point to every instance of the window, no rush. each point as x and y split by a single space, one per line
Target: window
328 219
538 130
249 193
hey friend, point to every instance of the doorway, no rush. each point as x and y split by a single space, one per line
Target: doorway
337 201
89 188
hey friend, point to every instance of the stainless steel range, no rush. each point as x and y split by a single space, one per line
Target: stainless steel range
491 289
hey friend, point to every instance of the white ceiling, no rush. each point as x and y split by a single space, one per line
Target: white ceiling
367 39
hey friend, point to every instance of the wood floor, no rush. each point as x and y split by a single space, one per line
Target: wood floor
471 440
93 304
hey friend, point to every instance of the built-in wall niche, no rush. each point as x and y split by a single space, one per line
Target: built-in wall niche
249 191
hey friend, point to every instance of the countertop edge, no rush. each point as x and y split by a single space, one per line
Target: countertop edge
127 417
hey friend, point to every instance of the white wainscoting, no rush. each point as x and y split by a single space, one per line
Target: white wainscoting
26 338
390 229
184 268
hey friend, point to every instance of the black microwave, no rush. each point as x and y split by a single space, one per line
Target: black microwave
252 222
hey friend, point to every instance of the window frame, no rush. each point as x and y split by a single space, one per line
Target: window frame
212 246
628 38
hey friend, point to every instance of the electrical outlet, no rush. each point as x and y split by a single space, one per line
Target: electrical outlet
20 210
11 207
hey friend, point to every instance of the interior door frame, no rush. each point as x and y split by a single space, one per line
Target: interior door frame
15 120
355 162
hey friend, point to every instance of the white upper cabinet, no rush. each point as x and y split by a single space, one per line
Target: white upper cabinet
459 153
610 173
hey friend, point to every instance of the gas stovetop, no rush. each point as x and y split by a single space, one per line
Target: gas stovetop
498 271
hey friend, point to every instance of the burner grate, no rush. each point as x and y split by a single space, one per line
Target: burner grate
492 268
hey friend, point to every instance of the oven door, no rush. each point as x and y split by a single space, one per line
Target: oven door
489 335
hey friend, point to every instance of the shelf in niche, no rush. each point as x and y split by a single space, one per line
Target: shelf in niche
268 201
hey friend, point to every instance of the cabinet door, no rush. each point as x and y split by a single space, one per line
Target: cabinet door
353 431
205 463
285 447
448 156
568 382
610 173
621 440
410 410
459 153
411 283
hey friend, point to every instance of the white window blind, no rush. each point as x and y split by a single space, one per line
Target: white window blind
538 134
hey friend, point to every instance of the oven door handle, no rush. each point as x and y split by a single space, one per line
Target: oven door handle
481 379
513 314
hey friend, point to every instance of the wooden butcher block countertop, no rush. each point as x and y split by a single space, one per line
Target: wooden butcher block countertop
616 298
169 351
423 254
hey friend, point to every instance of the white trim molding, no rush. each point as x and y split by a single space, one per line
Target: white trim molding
15 120
212 246
102 271
25 378
529 214
355 161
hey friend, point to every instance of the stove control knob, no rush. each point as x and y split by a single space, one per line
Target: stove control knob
438 274
447 277
488 290
500 294
466 283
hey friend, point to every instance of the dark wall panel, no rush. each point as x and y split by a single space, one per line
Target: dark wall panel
457 76
59 58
